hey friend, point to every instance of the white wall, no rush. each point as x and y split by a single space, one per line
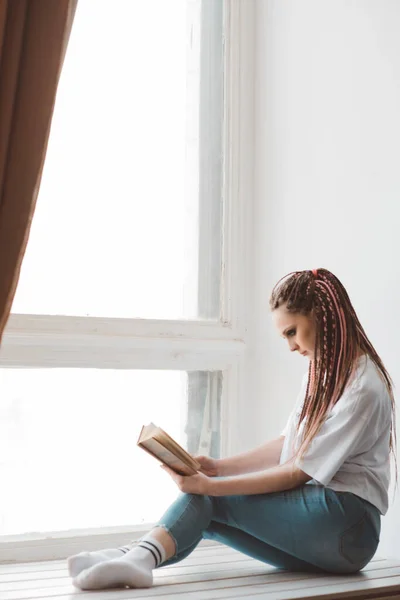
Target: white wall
327 180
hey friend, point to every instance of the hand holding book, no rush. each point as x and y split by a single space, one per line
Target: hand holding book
208 465
194 484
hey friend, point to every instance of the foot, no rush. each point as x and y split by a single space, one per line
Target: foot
85 560
118 572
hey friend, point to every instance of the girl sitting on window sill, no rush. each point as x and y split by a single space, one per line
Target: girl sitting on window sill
309 500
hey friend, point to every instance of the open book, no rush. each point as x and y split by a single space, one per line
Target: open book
159 444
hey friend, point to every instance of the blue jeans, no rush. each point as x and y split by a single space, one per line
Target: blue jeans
310 528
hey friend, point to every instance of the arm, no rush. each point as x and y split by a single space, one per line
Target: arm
260 458
276 479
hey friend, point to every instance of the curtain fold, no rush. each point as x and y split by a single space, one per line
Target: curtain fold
33 39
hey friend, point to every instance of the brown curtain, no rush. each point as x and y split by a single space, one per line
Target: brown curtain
33 39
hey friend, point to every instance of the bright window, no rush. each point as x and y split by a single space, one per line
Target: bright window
131 303
131 194
68 454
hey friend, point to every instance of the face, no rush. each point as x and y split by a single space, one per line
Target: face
297 329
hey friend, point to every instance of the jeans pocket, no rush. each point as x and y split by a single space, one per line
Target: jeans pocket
358 544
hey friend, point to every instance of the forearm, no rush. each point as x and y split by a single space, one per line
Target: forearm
259 459
276 479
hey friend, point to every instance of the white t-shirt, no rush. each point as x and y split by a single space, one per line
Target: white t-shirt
350 453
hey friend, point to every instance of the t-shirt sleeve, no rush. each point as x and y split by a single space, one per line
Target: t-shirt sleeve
337 439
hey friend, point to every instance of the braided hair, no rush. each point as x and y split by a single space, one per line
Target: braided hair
339 341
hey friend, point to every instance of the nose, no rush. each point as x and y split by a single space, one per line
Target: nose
293 346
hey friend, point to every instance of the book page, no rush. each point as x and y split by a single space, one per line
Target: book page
165 456
147 431
151 431
180 452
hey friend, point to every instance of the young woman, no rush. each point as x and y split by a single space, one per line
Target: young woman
309 500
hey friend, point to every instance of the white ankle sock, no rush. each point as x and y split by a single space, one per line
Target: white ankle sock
85 560
134 569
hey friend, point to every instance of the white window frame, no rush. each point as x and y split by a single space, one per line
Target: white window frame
65 341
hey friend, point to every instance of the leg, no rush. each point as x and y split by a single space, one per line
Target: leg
247 544
308 528
252 546
331 531
301 529
201 512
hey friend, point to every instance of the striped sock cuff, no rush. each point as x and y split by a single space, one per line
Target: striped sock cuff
153 546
